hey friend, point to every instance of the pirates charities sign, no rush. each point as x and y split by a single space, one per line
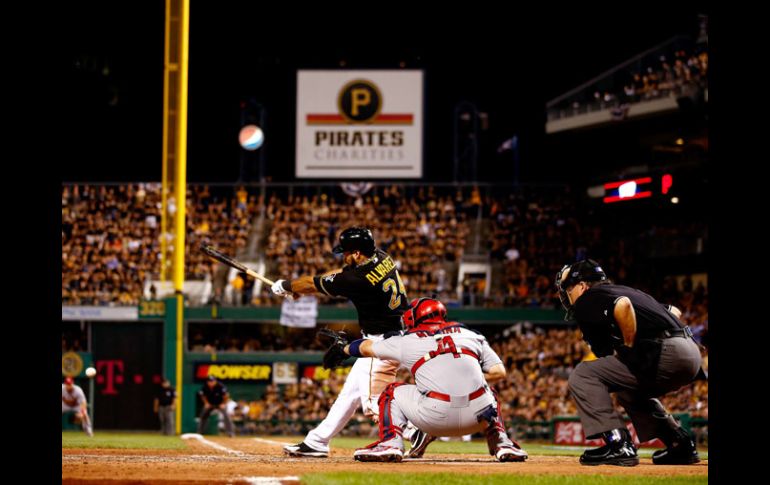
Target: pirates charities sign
359 124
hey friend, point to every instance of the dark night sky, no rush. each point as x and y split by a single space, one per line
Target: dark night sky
508 63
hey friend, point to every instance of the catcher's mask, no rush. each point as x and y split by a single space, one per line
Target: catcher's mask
424 312
570 275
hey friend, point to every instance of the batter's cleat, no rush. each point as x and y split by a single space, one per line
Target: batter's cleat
511 453
302 450
420 441
89 432
379 452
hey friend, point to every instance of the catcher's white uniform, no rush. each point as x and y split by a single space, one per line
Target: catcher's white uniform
450 396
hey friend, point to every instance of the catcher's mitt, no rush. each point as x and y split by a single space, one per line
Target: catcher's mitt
335 355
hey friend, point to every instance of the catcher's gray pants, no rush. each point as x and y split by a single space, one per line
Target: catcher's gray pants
434 416
205 417
592 382
166 415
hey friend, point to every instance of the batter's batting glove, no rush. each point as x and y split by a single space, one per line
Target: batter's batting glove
283 288
279 288
335 354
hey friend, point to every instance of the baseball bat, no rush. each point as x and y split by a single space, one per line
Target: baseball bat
222 258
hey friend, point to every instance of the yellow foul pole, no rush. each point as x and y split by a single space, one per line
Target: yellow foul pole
167 113
180 189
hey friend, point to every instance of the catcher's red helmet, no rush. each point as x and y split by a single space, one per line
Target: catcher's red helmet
424 311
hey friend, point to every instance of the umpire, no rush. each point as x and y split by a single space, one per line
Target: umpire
214 396
643 352
164 406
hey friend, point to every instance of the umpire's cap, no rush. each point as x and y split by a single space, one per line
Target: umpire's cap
355 239
585 270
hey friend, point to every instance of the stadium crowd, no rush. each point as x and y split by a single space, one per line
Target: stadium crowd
426 232
677 71
111 237
111 240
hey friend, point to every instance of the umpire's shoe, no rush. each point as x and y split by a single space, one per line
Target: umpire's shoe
682 451
420 441
619 450
301 449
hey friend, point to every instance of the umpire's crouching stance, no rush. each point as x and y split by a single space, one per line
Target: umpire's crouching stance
653 355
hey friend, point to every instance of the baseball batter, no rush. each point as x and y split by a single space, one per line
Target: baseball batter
73 399
371 281
451 366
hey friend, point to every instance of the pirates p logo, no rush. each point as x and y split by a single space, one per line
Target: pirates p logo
359 101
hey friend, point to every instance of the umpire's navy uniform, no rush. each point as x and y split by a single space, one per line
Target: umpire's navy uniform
663 358
215 395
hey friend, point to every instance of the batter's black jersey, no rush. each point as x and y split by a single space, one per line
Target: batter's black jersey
214 395
594 312
375 288
166 395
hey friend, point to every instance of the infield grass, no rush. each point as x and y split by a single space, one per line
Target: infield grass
108 439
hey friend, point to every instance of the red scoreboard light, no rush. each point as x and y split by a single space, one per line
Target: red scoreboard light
639 188
631 189
665 183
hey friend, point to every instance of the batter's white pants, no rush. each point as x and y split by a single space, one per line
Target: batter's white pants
367 379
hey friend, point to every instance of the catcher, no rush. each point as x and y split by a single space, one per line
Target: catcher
451 366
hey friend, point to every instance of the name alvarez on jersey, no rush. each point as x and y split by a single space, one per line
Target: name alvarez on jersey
376 290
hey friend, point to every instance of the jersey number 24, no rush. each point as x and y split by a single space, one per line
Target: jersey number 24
397 291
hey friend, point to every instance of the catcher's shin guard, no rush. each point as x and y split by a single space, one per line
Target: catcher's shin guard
388 429
495 432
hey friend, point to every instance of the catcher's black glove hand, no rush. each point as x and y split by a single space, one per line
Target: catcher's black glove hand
335 355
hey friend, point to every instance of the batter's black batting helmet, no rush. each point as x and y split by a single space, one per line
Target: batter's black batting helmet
355 239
